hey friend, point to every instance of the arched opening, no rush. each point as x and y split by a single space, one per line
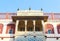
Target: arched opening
38 25
49 29
30 26
21 25
58 28
10 29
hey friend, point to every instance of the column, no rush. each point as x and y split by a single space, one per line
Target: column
25 25
34 24
43 26
55 29
17 25
4 28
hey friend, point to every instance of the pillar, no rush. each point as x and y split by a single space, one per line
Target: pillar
16 25
34 24
25 25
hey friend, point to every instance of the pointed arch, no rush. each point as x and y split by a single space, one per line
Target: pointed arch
49 29
21 25
10 29
30 26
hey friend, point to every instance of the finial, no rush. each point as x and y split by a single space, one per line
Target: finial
18 9
41 9
29 8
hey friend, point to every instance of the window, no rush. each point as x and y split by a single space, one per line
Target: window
49 29
10 29
38 25
58 28
21 25
30 25
1 28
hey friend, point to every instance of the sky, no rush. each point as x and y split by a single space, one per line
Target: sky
46 5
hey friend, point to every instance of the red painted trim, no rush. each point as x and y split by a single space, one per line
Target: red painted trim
7 37
53 37
1 28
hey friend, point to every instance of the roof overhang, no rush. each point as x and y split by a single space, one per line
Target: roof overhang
29 18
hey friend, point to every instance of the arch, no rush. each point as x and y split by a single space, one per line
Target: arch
21 25
49 29
1 28
58 28
30 26
10 29
38 25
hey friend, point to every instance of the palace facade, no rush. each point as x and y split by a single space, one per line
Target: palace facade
29 25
